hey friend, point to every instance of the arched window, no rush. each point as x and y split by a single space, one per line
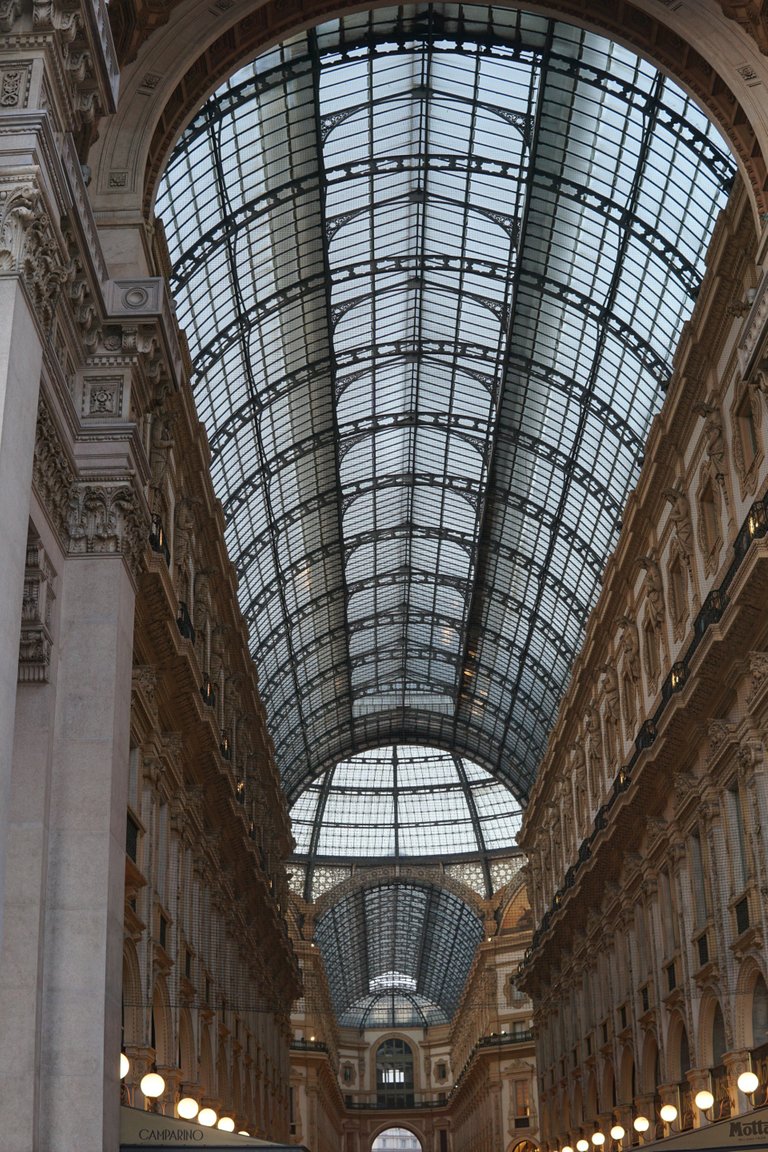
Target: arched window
718 1037
685 1054
759 1013
394 1074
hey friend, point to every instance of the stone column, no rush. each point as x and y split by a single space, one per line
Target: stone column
20 364
81 994
27 855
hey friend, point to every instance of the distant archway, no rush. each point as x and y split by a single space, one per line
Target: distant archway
397 1140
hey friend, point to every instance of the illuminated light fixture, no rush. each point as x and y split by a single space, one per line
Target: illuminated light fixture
226 1124
598 1138
703 1100
207 1117
748 1083
641 1123
152 1085
125 1065
617 1132
582 1145
187 1108
668 1113
243 1132
566 1148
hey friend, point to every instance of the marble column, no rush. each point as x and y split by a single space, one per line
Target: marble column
21 953
81 999
20 364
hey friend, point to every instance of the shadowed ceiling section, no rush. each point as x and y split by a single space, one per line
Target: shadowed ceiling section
433 262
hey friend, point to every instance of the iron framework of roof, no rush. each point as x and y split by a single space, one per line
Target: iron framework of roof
444 254
433 262
397 954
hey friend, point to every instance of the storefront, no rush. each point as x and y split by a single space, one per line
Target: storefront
140 1130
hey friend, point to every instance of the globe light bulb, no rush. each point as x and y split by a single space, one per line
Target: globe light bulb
152 1085
243 1132
748 1083
187 1108
668 1113
566 1148
641 1123
207 1117
226 1124
704 1100
582 1145
617 1132
125 1065
598 1138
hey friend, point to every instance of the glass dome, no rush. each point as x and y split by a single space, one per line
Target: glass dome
404 801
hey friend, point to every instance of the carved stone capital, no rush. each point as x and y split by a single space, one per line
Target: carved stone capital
29 245
106 517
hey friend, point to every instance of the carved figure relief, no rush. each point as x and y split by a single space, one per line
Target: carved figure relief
183 538
612 710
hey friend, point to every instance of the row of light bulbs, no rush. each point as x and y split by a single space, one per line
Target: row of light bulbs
152 1085
747 1082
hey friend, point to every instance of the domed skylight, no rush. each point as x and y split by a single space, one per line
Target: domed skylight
404 801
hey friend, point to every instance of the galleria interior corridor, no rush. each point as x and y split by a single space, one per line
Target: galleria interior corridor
383 640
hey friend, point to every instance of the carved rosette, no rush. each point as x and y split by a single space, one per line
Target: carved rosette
105 519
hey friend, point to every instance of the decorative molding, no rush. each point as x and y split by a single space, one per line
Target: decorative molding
14 84
29 246
144 683
105 518
102 397
36 639
52 474
758 668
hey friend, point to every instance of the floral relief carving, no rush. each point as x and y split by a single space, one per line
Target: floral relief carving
105 519
52 474
36 640
29 247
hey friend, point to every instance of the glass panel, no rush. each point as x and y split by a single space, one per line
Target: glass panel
432 266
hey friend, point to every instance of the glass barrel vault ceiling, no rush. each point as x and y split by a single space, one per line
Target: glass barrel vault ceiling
432 262
397 954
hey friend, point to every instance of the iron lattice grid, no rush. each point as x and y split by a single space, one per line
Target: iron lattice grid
397 955
433 264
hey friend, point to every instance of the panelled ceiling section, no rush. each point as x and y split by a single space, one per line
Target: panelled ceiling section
432 262
397 955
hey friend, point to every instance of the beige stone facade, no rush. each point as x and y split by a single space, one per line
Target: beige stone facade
648 968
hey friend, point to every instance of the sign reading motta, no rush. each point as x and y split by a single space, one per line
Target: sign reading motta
738 1129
